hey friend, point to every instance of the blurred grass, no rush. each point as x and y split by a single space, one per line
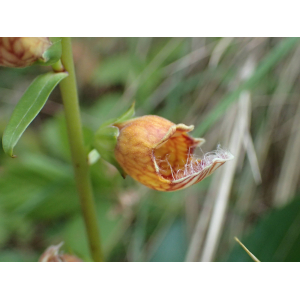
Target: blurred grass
187 80
264 67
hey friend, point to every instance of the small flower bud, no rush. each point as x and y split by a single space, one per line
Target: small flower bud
52 254
160 154
20 52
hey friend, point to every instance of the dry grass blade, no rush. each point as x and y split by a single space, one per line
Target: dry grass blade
289 175
219 50
287 79
270 60
248 252
236 146
130 90
218 215
202 223
248 143
188 60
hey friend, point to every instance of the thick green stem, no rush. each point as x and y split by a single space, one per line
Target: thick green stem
68 90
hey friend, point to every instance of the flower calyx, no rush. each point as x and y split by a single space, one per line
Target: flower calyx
106 137
157 152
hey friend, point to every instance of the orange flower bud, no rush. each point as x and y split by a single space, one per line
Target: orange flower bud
160 154
52 254
19 52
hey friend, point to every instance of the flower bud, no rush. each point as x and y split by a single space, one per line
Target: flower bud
20 52
52 254
160 154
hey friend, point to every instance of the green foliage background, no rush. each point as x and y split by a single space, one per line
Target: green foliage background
186 80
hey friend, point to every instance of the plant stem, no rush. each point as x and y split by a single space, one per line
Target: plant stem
68 90
58 66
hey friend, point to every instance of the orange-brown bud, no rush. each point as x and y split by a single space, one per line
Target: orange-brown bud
20 52
160 154
52 254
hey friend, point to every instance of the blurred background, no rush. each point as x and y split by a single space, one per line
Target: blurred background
242 93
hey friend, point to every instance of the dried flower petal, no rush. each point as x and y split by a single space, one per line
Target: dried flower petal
160 154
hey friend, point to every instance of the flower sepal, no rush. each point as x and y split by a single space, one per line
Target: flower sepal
52 54
105 142
106 136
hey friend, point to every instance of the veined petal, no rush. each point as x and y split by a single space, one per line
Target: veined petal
160 154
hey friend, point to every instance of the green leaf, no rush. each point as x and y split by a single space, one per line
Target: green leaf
174 244
28 107
52 54
276 237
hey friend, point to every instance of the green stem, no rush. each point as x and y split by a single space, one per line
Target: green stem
58 66
68 90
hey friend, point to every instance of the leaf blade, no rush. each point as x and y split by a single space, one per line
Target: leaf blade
28 107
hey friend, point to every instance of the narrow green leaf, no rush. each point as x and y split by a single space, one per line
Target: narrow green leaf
269 61
28 107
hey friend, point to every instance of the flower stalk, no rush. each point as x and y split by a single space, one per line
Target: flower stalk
69 94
